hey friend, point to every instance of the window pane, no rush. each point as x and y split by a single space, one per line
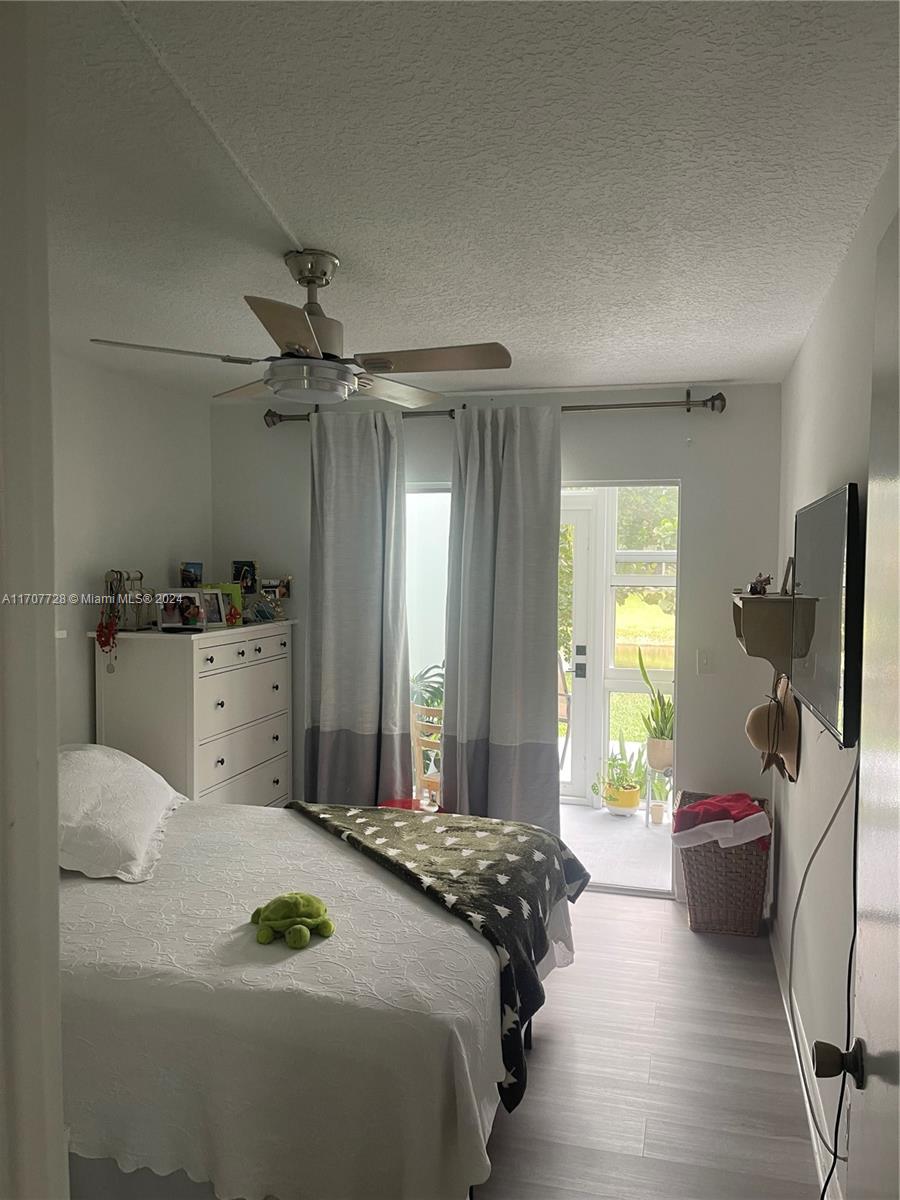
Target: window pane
627 729
565 598
427 542
625 709
626 567
647 518
645 618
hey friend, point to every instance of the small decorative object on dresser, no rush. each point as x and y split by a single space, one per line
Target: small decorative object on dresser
759 585
210 711
276 591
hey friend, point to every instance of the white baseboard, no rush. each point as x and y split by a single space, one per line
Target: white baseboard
802 1055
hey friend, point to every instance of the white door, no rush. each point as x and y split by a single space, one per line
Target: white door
574 655
875 1111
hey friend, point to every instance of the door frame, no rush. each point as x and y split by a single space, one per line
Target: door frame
581 516
33 1159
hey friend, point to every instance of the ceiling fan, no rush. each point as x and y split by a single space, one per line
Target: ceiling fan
311 366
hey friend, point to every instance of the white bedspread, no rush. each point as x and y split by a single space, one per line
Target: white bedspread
361 1068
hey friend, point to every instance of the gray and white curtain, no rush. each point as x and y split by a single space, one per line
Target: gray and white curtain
357 737
500 748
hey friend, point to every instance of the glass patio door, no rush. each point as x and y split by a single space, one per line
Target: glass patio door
618 564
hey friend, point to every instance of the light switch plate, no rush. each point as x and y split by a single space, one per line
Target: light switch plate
704 662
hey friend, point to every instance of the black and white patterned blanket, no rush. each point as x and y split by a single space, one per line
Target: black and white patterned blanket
503 877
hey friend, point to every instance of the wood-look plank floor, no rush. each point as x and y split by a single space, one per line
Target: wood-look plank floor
662 1069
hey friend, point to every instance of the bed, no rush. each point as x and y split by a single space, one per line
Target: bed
362 1068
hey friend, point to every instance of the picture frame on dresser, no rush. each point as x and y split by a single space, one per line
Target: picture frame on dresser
210 711
214 608
181 611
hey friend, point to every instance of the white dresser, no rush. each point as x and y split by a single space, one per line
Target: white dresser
211 712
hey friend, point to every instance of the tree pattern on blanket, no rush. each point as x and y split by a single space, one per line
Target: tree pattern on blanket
503 877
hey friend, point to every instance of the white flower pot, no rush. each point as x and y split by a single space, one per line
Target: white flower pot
656 812
660 753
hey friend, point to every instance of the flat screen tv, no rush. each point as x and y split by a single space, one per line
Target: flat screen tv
826 654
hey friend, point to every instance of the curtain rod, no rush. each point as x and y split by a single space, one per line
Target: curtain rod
715 403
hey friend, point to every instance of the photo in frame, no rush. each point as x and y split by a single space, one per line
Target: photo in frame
277 589
245 572
191 574
181 612
215 606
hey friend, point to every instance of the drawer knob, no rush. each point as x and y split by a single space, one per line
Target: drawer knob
283 644
275 687
275 782
220 762
220 704
242 653
210 658
276 737
257 649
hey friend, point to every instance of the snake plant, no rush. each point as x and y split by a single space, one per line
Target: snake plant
660 721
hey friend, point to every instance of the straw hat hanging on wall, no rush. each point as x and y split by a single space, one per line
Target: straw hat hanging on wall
774 729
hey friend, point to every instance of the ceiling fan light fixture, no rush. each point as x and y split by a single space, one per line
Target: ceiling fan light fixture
323 383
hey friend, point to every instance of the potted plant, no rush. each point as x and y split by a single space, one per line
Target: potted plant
659 798
426 692
659 723
426 687
621 785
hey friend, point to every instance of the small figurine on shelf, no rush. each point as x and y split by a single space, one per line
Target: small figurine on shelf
759 585
233 615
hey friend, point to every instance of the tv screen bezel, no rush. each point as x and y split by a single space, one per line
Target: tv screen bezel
848 734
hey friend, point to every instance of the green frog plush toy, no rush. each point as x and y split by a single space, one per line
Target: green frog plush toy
292 916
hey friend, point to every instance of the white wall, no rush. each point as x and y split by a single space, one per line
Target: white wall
825 443
728 469
131 491
260 510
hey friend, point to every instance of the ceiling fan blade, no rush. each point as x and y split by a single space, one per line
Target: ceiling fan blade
229 358
256 390
288 326
482 356
396 393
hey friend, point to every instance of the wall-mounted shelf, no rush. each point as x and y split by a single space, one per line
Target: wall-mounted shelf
764 626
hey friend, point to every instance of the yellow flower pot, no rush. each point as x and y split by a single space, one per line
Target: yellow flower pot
624 802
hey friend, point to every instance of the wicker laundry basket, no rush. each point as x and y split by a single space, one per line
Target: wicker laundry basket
726 889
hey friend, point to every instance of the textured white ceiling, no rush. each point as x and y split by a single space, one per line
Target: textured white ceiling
619 192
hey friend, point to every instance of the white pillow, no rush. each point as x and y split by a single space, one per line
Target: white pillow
112 813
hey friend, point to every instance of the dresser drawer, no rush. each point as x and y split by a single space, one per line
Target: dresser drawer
230 698
241 652
273 645
265 784
229 755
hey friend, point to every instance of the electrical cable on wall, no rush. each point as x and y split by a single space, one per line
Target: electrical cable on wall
823 1137
848 1023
